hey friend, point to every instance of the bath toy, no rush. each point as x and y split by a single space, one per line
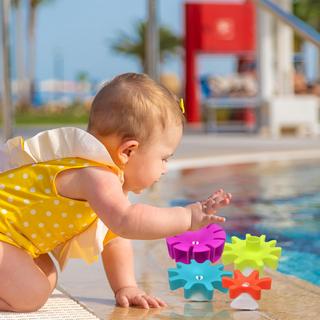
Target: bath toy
245 290
204 244
251 253
250 256
197 279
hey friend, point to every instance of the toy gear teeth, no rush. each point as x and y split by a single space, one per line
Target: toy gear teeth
252 252
204 244
197 279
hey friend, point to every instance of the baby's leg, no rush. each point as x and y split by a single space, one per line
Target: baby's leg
45 263
26 284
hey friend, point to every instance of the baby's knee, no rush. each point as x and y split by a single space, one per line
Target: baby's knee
33 299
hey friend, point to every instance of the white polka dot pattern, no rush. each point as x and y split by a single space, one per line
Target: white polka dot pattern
40 215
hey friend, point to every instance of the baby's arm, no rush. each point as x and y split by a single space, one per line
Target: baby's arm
117 258
102 189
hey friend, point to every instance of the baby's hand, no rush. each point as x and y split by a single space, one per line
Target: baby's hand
203 213
133 296
216 201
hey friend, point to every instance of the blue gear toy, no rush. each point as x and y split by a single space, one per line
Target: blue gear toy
198 279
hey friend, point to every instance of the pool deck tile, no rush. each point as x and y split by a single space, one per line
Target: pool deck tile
59 306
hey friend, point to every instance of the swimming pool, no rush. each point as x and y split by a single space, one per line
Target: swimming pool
281 200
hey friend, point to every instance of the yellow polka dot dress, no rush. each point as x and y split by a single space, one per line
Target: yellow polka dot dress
32 215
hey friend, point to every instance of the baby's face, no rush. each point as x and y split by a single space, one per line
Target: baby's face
149 162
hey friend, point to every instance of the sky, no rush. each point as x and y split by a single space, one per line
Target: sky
82 31
76 35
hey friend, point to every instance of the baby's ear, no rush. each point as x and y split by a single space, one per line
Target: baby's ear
126 150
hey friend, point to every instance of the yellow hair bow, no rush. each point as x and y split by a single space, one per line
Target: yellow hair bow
181 103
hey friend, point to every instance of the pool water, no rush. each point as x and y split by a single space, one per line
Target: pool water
280 200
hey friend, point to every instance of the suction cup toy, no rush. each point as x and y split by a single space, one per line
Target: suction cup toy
246 290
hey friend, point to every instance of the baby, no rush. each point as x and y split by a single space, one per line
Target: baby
64 191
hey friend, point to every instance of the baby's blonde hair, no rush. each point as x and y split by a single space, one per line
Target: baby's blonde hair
133 106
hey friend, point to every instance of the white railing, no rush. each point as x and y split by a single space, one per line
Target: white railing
302 28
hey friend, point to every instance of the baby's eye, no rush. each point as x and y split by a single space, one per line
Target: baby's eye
165 160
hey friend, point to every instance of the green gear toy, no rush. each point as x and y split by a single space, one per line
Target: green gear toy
252 252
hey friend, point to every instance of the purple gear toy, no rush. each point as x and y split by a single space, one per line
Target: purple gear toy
204 244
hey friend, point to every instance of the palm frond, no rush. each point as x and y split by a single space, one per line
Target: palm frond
134 45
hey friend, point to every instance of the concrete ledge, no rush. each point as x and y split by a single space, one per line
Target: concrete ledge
243 158
290 298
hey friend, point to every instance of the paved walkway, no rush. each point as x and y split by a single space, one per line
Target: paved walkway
198 150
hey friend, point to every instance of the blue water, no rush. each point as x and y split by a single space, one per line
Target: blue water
281 201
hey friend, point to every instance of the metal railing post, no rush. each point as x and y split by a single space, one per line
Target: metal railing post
152 41
7 114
